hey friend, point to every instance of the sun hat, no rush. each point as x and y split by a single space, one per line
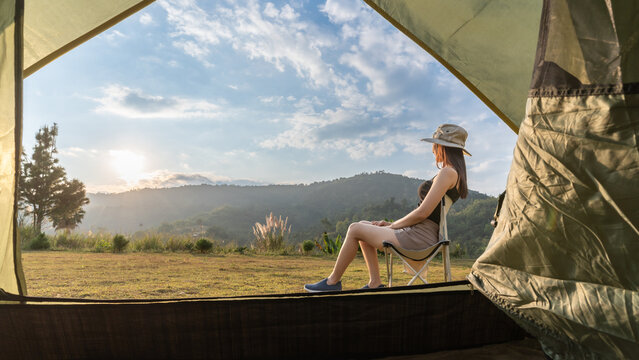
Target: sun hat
450 135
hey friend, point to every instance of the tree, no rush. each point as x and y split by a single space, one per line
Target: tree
67 212
44 189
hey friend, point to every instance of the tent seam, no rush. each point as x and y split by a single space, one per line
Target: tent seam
88 35
17 126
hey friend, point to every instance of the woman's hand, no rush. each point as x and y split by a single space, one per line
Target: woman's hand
380 223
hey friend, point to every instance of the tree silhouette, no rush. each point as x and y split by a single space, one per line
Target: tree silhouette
44 189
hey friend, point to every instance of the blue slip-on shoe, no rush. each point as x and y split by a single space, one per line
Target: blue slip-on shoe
323 286
365 287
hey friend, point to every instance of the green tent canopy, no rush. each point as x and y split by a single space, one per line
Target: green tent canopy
564 259
562 263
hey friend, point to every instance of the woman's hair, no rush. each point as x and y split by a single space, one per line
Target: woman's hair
423 190
446 155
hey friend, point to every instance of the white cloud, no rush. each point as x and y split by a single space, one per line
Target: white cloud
270 10
191 21
329 129
370 91
132 103
271 99
288 13
166 178
274 35
146 19
113 37
340 11
77 152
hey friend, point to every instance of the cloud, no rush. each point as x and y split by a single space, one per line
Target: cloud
282 37
191 21
146 19
166 178
113 37
332 130
132 103
366 91
192 48
275 35
77 152
340 11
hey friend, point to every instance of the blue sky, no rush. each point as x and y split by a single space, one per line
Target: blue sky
288 92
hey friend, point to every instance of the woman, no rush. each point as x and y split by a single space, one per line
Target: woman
418 229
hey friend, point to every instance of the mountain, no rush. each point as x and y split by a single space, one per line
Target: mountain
228 212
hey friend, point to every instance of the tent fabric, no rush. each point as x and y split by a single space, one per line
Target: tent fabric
11 16
563 260
33 34
488 44
52 28
351 324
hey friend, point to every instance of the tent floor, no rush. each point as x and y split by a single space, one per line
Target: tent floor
527 349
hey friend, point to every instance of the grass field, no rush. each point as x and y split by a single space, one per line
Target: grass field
177 275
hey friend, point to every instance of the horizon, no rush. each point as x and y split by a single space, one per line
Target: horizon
381 172
282 92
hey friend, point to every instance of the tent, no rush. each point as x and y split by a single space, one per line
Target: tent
564 259
562 262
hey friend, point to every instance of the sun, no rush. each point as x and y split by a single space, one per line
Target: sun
128 165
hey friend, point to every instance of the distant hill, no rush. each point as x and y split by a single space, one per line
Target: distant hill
228 212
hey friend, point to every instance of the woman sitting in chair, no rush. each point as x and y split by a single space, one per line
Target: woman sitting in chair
419 229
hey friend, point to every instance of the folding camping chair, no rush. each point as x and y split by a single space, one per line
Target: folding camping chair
425 254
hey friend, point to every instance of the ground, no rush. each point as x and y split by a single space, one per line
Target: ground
177 275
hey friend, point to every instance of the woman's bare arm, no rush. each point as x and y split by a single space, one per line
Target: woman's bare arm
446 179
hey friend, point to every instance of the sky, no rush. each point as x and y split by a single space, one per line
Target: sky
255 92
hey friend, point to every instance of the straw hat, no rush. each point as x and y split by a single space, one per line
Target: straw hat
450 135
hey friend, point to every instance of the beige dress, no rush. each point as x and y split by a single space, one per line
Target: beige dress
419 236
426 233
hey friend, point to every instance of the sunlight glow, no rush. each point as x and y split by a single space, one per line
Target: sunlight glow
128 165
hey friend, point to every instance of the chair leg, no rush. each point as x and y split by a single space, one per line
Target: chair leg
389 274
418 273
390 257
446 261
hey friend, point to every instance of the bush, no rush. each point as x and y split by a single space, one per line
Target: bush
41 242
178 244
203 245
329 245
119 243
149 243
308 246
27 235
102 245
271 235
70 241
240 250
458 251
189 246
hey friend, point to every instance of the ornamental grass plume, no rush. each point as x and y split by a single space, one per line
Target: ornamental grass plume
271 235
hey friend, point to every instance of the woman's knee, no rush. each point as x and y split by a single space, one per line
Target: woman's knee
355 228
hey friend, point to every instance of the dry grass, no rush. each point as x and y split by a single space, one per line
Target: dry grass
177 275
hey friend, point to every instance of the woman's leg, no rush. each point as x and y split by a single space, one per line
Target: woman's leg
370 234
372 264
370 256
